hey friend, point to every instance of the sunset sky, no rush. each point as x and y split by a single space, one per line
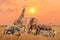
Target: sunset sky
46 11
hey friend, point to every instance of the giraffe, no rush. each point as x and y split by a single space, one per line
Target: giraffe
19 20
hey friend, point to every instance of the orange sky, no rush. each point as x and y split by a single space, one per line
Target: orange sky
48 11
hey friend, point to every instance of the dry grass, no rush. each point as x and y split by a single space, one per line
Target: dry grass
29 36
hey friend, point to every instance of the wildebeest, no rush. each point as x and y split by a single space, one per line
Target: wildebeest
32 26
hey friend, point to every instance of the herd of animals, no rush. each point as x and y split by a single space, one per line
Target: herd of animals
31 27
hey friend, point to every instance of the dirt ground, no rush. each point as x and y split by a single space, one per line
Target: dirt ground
29 36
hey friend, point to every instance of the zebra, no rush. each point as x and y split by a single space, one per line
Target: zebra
43 29
46 31
14 28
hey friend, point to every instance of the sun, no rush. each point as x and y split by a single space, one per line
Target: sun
32 10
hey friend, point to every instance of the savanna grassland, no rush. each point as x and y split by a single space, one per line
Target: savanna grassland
29 36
